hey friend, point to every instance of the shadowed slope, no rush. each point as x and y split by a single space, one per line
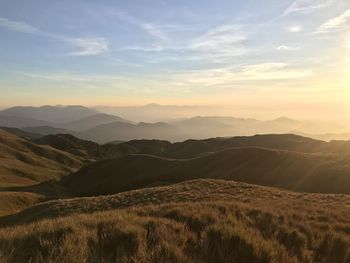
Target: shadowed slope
290 170
192 148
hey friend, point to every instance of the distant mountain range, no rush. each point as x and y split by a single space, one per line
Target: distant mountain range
90 124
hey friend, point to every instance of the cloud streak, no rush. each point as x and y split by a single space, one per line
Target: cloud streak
307 6
154 30
335 24
248 73
86 46
287 48
70 77
18 26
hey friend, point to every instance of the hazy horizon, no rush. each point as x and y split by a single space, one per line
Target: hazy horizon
253 59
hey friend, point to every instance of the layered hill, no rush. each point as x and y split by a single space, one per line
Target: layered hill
127 131
93 121
196 221
19 122
194 148
87 149
24 162
53 114
26 169
297 171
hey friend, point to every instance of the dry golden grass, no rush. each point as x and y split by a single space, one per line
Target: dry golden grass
21 158
197 221
24 164
13 202
188 191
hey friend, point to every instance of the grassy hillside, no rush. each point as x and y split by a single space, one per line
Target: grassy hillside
24 162
193 148
13 202
325 173
23 165
198 221
86 149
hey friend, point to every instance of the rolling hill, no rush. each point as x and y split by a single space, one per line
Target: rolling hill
27 168
290 170
157 201
195 221
86 149
194 148
25 162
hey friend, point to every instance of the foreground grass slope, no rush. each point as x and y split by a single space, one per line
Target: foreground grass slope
197 221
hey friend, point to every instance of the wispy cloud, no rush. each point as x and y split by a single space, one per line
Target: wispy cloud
222 37
335 24
217 44
222 42
307 6
155 30
86 46
70 77
287 48
18 26
248 73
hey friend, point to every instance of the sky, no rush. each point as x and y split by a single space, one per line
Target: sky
290 56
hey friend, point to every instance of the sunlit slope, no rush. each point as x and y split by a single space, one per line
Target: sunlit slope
24 162
196 221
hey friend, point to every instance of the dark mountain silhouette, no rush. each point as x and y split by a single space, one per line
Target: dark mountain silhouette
21 133
47 130
20 122
127 131
93 121
90 124
56 114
